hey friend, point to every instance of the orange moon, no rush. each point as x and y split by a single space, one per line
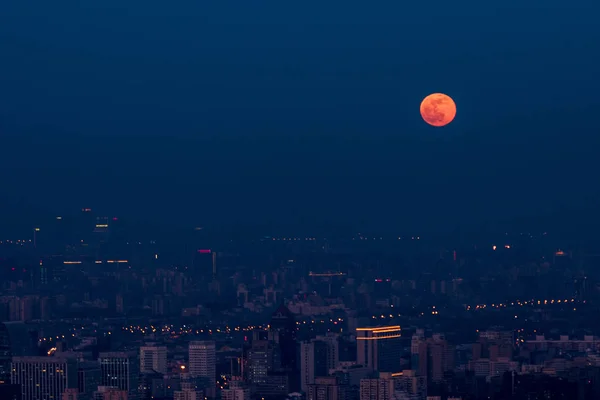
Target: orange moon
438 109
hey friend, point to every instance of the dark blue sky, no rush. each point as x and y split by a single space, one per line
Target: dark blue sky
289 112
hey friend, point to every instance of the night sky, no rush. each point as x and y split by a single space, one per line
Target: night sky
299 113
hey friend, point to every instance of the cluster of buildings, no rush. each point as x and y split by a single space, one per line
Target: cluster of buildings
89 313
281 360
117 375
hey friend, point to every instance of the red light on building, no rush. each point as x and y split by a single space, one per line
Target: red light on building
204 251
115 219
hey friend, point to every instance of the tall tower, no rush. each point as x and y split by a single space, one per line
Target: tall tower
202 360
204 265
435 358
283 324
35 234
121 370
214 265
215 286
379 348
317 357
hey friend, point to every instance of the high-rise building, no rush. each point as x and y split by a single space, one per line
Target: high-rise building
311 363
259 361
121 370
379 349
284 323
153 359
332 357
202 363
317 357
204 266
263 357
43 378
417 338
436 356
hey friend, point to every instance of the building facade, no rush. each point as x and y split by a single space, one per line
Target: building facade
379 349
43 378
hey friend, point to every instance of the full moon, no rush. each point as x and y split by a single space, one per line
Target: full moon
438 109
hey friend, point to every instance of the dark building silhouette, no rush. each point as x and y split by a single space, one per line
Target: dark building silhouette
10 392
283 323
204 266
17 339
